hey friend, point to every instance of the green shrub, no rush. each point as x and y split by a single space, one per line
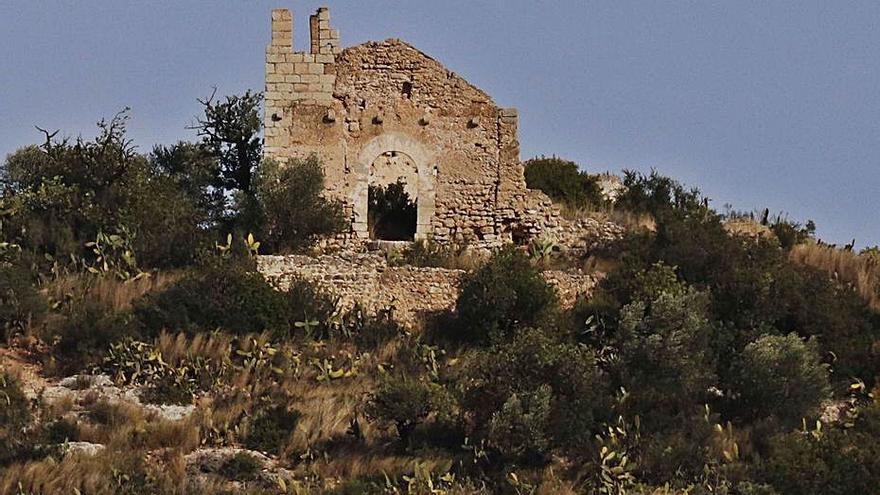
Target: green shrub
507 388
831 463
520 429
241 467
271 428
790 234
62 430
293 205
59 196
665 361
781 377
228 298
658 195
505 294
563 182
406 403
370 331
311 308
86 330
392 215
20 302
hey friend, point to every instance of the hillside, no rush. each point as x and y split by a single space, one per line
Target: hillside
197 320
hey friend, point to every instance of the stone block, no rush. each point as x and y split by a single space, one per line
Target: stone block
284 68
325 58
316 68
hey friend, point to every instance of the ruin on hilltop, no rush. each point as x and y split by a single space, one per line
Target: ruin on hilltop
380 112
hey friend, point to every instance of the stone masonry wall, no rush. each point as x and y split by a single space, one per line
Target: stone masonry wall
414 292
352 106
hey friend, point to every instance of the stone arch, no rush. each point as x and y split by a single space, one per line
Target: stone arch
426 166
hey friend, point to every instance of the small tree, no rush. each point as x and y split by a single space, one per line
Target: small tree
230 129
294 209
406 403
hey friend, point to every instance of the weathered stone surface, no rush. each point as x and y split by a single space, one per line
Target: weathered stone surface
87 449
413 292
464 164
80 389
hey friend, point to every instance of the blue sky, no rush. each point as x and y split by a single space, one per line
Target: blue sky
760 104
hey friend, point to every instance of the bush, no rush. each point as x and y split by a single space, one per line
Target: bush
405 403
20 302
781 377
665 359
832 463
503 295
546 393
225 297
61 195
84 333
271 428
241 467
369 332
293 205
520 429
563 182
62 431
311 307
791 233
392 215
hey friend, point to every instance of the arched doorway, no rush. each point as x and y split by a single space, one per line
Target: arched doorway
393 197
385 160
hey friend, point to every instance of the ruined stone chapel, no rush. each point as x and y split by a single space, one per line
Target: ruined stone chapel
383 112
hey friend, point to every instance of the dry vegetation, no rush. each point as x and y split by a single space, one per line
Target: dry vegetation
861 271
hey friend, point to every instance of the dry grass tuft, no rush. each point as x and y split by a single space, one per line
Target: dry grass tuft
628 220
111 293
358 464
175 347
862 271
747 227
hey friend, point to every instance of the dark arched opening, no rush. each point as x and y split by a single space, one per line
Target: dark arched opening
391 213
